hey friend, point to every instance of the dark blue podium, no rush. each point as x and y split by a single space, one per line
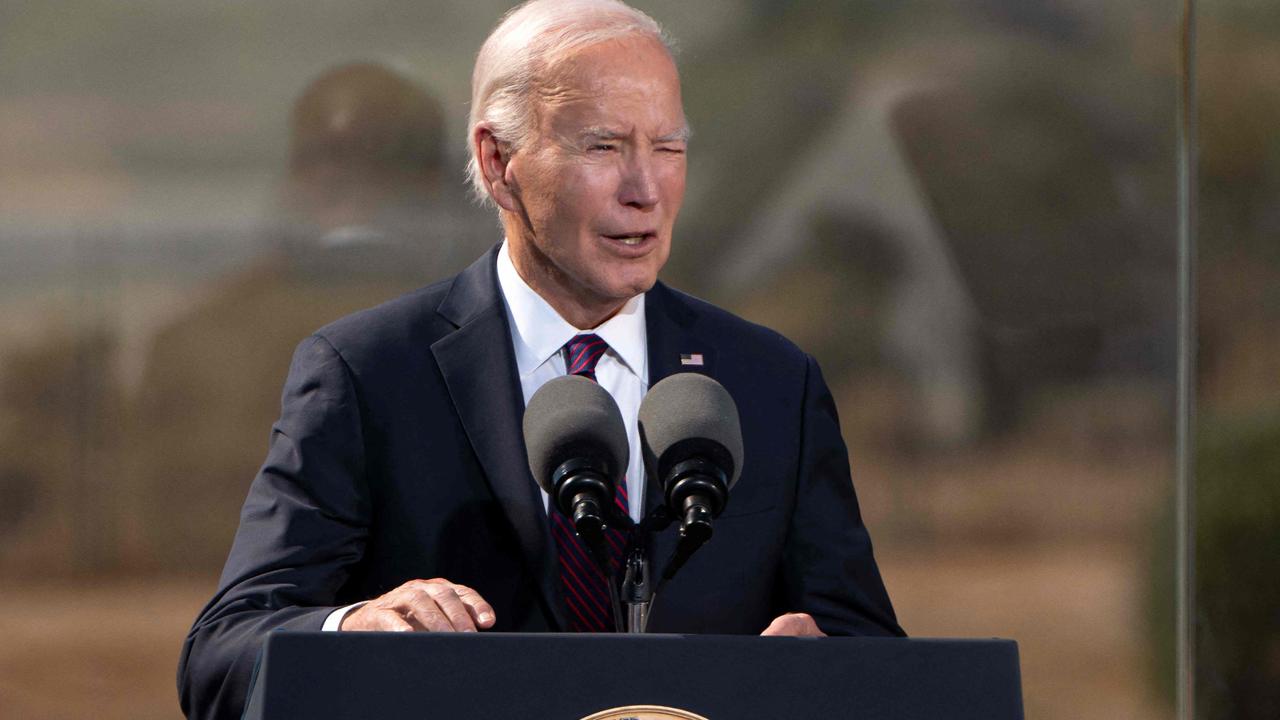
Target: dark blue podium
423 676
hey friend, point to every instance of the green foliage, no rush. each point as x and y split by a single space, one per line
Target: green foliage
1238 571
1237 574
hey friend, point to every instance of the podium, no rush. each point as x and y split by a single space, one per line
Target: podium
570 677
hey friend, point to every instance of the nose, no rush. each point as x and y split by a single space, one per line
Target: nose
639 187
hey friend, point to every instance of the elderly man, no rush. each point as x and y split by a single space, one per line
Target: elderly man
396 493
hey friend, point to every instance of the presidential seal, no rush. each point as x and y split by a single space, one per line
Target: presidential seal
644 712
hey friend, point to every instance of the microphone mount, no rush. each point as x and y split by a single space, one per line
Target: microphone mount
584 494
696 491
637 589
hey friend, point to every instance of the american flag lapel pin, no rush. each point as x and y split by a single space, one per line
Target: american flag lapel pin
694 359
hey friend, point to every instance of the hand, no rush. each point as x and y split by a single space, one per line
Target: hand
794 625
436 605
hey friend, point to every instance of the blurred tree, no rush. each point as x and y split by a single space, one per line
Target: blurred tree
1236 576
1237 571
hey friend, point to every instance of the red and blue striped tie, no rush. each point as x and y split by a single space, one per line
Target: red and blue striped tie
586 590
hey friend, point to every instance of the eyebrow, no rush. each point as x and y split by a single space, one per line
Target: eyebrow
603 133
681 135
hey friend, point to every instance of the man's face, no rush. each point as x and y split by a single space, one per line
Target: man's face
602 180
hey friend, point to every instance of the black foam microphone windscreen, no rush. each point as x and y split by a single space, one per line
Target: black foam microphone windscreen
687 415
573 418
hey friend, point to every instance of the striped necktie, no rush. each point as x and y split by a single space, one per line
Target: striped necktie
585 589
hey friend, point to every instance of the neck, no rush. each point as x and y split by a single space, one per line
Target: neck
569 300
550 284
586 320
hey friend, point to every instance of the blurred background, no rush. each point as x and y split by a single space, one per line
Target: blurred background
966 209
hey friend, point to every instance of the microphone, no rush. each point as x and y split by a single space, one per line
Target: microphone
578 453
692 440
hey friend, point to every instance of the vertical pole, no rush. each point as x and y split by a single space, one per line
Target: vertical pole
1185 435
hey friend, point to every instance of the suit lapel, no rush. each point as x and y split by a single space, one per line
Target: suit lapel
479 368
670 327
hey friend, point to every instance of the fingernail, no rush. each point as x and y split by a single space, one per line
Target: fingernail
486 617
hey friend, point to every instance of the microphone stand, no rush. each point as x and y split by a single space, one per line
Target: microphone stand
637 590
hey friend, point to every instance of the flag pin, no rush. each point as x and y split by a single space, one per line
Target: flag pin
691 358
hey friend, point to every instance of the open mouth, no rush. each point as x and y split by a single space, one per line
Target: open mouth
631 238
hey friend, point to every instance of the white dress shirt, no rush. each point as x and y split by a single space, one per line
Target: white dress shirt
539 334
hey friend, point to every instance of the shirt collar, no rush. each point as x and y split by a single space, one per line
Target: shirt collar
538 331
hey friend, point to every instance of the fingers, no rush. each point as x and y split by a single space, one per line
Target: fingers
794 625
423 610
481 611
440 605
435 605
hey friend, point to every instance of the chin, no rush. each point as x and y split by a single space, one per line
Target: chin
627 287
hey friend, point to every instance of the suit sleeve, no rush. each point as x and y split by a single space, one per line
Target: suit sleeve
829 569
303 527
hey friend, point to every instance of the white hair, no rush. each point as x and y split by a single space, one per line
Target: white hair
528 41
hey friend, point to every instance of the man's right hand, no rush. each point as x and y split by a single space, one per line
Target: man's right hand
436 605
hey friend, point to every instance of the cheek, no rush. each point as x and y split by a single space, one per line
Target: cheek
545 190
585 198
672 182
545 198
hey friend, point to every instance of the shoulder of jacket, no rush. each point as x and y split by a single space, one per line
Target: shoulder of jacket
409 316
713 320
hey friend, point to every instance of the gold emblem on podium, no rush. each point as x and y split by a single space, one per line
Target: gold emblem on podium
644 712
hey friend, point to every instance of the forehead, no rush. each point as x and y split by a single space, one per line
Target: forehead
620 75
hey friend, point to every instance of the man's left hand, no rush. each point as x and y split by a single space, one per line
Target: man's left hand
794 625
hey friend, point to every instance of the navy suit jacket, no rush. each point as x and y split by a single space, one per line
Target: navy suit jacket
399 455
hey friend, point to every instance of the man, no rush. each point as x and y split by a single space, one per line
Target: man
397 496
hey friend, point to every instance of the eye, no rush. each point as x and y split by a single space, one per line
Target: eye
603 147
673 149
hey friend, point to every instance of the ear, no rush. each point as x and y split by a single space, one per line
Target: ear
494 159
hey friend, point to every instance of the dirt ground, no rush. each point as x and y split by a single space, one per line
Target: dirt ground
95 649
1074 610
73 650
